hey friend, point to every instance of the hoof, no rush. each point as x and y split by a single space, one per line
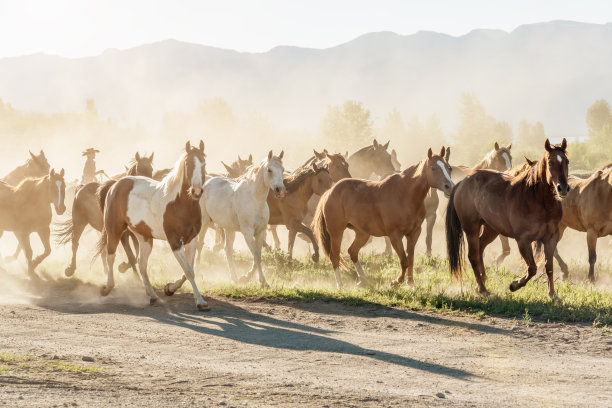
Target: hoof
153 301
395 283
203 307
362 284
591 279
339 285
264 285
167 290
410 282
315 257
555 299
104 291
69 271
123 266
484 293
513 286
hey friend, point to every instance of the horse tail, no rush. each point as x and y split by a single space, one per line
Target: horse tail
454 238
100 245
319 229
102 192
63 232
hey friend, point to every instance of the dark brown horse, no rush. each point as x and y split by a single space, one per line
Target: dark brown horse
525 207
291 209
35 166
25 209
499 159
86 211
373 159
392 207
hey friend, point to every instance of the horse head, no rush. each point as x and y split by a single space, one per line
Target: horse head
57 190
195 170
273 174
500 158
438 172
556 166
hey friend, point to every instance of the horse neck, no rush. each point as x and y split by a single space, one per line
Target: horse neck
15 176
259 185
484 164
415 180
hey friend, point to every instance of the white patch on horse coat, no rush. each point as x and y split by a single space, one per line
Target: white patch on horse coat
196 178
559 159
507 159
147 203
59 193
443 167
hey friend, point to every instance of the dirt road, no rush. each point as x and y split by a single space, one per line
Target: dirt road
298 354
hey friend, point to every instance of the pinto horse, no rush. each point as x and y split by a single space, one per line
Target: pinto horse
392 207
86 211
525 207
167 210
241 205
25 209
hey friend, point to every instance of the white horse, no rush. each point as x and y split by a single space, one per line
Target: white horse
241 205
166 210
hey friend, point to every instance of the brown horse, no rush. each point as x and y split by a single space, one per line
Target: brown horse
392 207
86 211
291 209
338 168
525 207
35 166
499 159
25 209
588 208
373 159
168 210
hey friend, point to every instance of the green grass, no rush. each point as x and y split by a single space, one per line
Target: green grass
12 363
303 280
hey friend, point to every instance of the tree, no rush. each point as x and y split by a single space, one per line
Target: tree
529 135
598 115
394 128
348 124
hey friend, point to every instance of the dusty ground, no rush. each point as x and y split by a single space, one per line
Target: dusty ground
245 353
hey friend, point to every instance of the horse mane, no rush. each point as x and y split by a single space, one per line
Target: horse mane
416 170
22 191
530 176
362 150
173 181
295 180
253 169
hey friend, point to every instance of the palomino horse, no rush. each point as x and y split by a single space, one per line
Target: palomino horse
392 207
499 159
587 208
338 168
374 159
35 166
291 209
25 209
168 210
86 211
525 207
241 205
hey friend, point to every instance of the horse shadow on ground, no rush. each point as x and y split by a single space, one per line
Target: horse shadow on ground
225 319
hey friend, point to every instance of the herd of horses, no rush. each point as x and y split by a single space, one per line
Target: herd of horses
366 192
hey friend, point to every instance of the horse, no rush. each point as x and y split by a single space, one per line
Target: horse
392 207
86 211
241 205
238 167
291 209
35 166
374 159
25 209
525 207
338 168
167 210
499 159
587 208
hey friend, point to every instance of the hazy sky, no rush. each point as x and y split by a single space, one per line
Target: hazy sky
76 28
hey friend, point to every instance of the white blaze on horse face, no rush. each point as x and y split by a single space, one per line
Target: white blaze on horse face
507 159
559 159
59 193
196 178
443 167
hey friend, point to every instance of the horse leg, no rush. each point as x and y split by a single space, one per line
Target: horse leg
78 226
44 235
488 235
475 258
229 254
252 242
562 265
430 221
15 254
145 246
396 242
550 246
112 242
361 238
527 254
131 263
259 240
505 250
303 229
277 244
219 238
185 255
592 245
23 238
411 241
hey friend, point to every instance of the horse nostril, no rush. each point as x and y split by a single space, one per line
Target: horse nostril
568 189
559 188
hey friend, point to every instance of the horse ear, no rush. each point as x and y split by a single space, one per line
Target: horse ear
269 154
228 168
386 145
32 154
496 146
42 154
393 153
375 143
564 144
188 146
251 157
239 159
62 173
429 153
346 155
447 156
317 154
443 152
51 173
137 156
151 156
547 146
280 156
201 145
509 146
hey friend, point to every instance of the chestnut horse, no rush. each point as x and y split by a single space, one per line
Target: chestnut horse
291 209
525 207
500 159
86 211
25 209
35 166
392 207
168 210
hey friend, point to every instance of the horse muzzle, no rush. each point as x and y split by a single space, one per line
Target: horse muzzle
563 189
280 192
447 188
60 210
196 192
